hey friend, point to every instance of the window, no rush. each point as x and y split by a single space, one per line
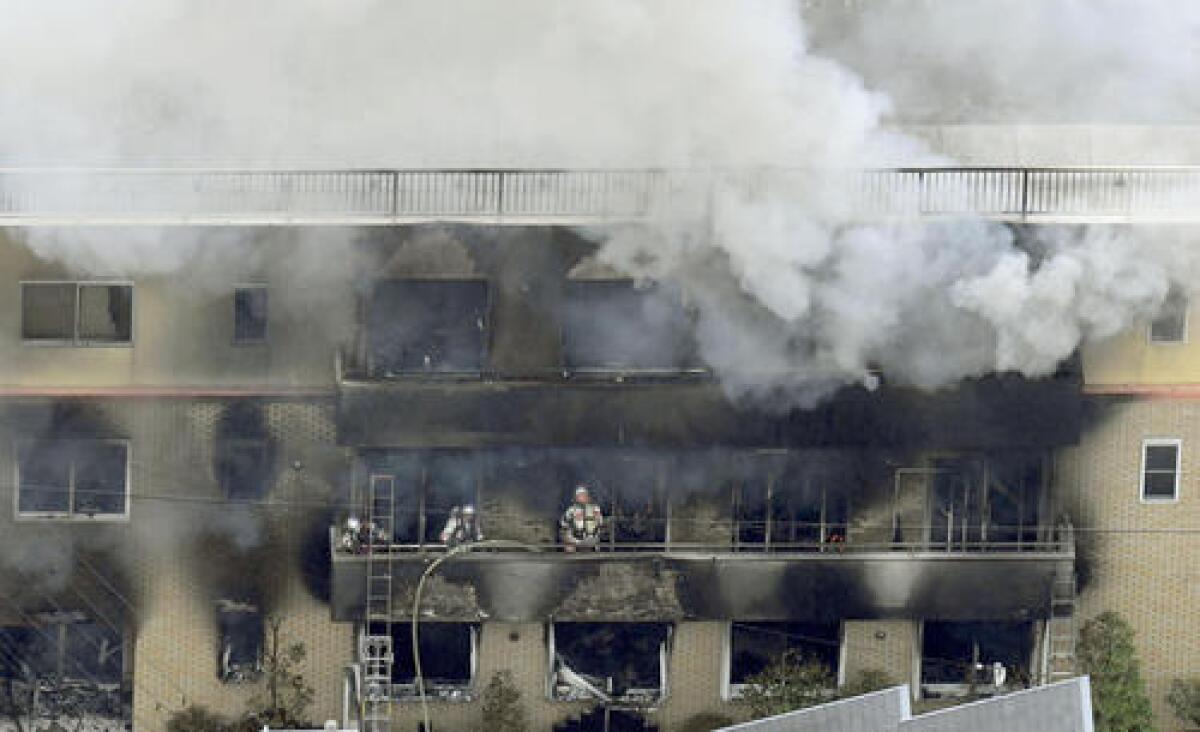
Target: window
616 325
427 326
73 478
77 313
250 314
448 659
960 658
752 647
624 662
241 629
1171 324
1160 469
65 645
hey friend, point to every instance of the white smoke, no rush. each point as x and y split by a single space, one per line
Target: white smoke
794 297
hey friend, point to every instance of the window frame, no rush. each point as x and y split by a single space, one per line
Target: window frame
666 652
75 341
1149 442
485 323
266 336
70 514
404 693
731 691
1183 336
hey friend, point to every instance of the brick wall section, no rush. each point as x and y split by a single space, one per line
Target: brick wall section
893 653
1137 564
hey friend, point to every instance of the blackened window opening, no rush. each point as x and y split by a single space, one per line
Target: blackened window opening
240 629
964 653
1171 324
624 660
447 653
243 467
250 314
417 326
69 646
620 325
72 477
755 646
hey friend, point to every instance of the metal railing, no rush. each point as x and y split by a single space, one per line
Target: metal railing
31 196
638 536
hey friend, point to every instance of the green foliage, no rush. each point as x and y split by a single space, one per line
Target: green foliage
1106 654
790 682
866 681
286 696
502 707
705 722
196 719
1184 698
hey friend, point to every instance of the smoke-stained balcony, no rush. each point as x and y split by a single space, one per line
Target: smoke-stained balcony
30 197
749 534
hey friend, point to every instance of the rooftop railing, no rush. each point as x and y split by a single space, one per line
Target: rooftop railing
375 197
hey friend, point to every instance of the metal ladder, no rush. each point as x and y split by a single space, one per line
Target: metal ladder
375 645
1061 631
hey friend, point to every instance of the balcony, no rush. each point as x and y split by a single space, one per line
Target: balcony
32 197
816 581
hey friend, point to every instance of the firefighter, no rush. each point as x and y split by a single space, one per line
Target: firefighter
462 526
580 524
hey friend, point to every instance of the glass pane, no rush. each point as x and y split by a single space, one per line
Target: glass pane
48 312
1161 457
106 313
100 478
615 325
1160 485
250 314
45 477
417 325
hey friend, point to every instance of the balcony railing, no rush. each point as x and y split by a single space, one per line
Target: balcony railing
375 197
637 536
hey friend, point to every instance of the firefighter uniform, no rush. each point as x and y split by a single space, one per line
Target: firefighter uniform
581 522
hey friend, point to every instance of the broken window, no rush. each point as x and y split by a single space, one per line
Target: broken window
73 478
620 325
809 503
65 645
1014 498
628 486
960 658
451 480
625 662
956 502
242 467
755 646
240 631
250 314
448 659
418 326
1160 469
1171 324
76 312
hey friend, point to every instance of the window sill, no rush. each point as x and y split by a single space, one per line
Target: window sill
108 518
53 343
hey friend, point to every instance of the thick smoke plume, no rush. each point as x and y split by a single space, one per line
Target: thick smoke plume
794 296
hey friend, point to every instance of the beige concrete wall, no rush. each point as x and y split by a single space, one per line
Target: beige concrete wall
1130 359
881 645
183 319
1141 558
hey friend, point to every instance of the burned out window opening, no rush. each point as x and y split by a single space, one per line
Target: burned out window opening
77 313
1016 489
753 646
976 657
450 499
790 503
449 660
427 326
425 488
243 467
1161 460
241 629
630 488
82 479
1171 324
622 325
65 646
250 314
609 662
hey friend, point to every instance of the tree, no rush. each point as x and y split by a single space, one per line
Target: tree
789 682
286 696
1184 698
1106 654
866 681
502 707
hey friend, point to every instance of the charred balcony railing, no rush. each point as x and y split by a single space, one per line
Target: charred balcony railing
640 536
394 196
